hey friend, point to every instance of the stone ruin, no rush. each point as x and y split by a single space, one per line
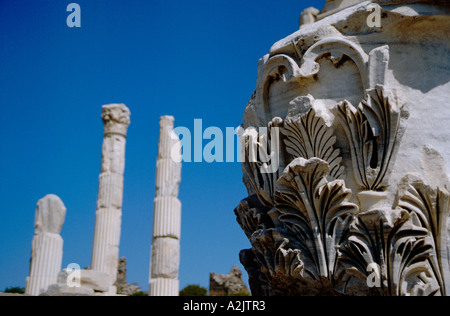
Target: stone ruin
123 288
107 274
355 106
350 191
108 220
227 284
47 247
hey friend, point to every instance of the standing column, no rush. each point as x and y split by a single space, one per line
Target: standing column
47 246
105 252
165 255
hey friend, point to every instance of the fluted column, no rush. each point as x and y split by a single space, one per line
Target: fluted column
165 258
47 246
105 252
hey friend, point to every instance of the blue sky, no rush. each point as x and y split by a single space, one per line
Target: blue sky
190 59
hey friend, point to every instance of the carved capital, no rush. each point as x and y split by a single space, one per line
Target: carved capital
336 217
116 119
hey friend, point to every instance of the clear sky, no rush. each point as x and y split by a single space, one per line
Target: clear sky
190 59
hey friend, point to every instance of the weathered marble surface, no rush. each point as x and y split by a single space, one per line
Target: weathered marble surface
165 252
123 288
105 253
89 279
227 284
47 246
359 203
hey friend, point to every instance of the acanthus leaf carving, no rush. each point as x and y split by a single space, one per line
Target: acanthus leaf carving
433 209
315 211
257 280
252 216
387 253
305 232
308 136
374 131
263 160
277 264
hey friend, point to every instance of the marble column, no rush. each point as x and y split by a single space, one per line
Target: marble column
165 258
47 246
105 252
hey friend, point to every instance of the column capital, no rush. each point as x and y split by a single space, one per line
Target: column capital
116 119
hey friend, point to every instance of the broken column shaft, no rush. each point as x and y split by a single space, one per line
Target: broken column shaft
105 253
165 259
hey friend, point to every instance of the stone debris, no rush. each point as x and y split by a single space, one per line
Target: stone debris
227 284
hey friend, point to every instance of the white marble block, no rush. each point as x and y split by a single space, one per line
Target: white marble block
164 287
165 258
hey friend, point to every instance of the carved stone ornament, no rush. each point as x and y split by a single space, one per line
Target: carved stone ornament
346 154
116 119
